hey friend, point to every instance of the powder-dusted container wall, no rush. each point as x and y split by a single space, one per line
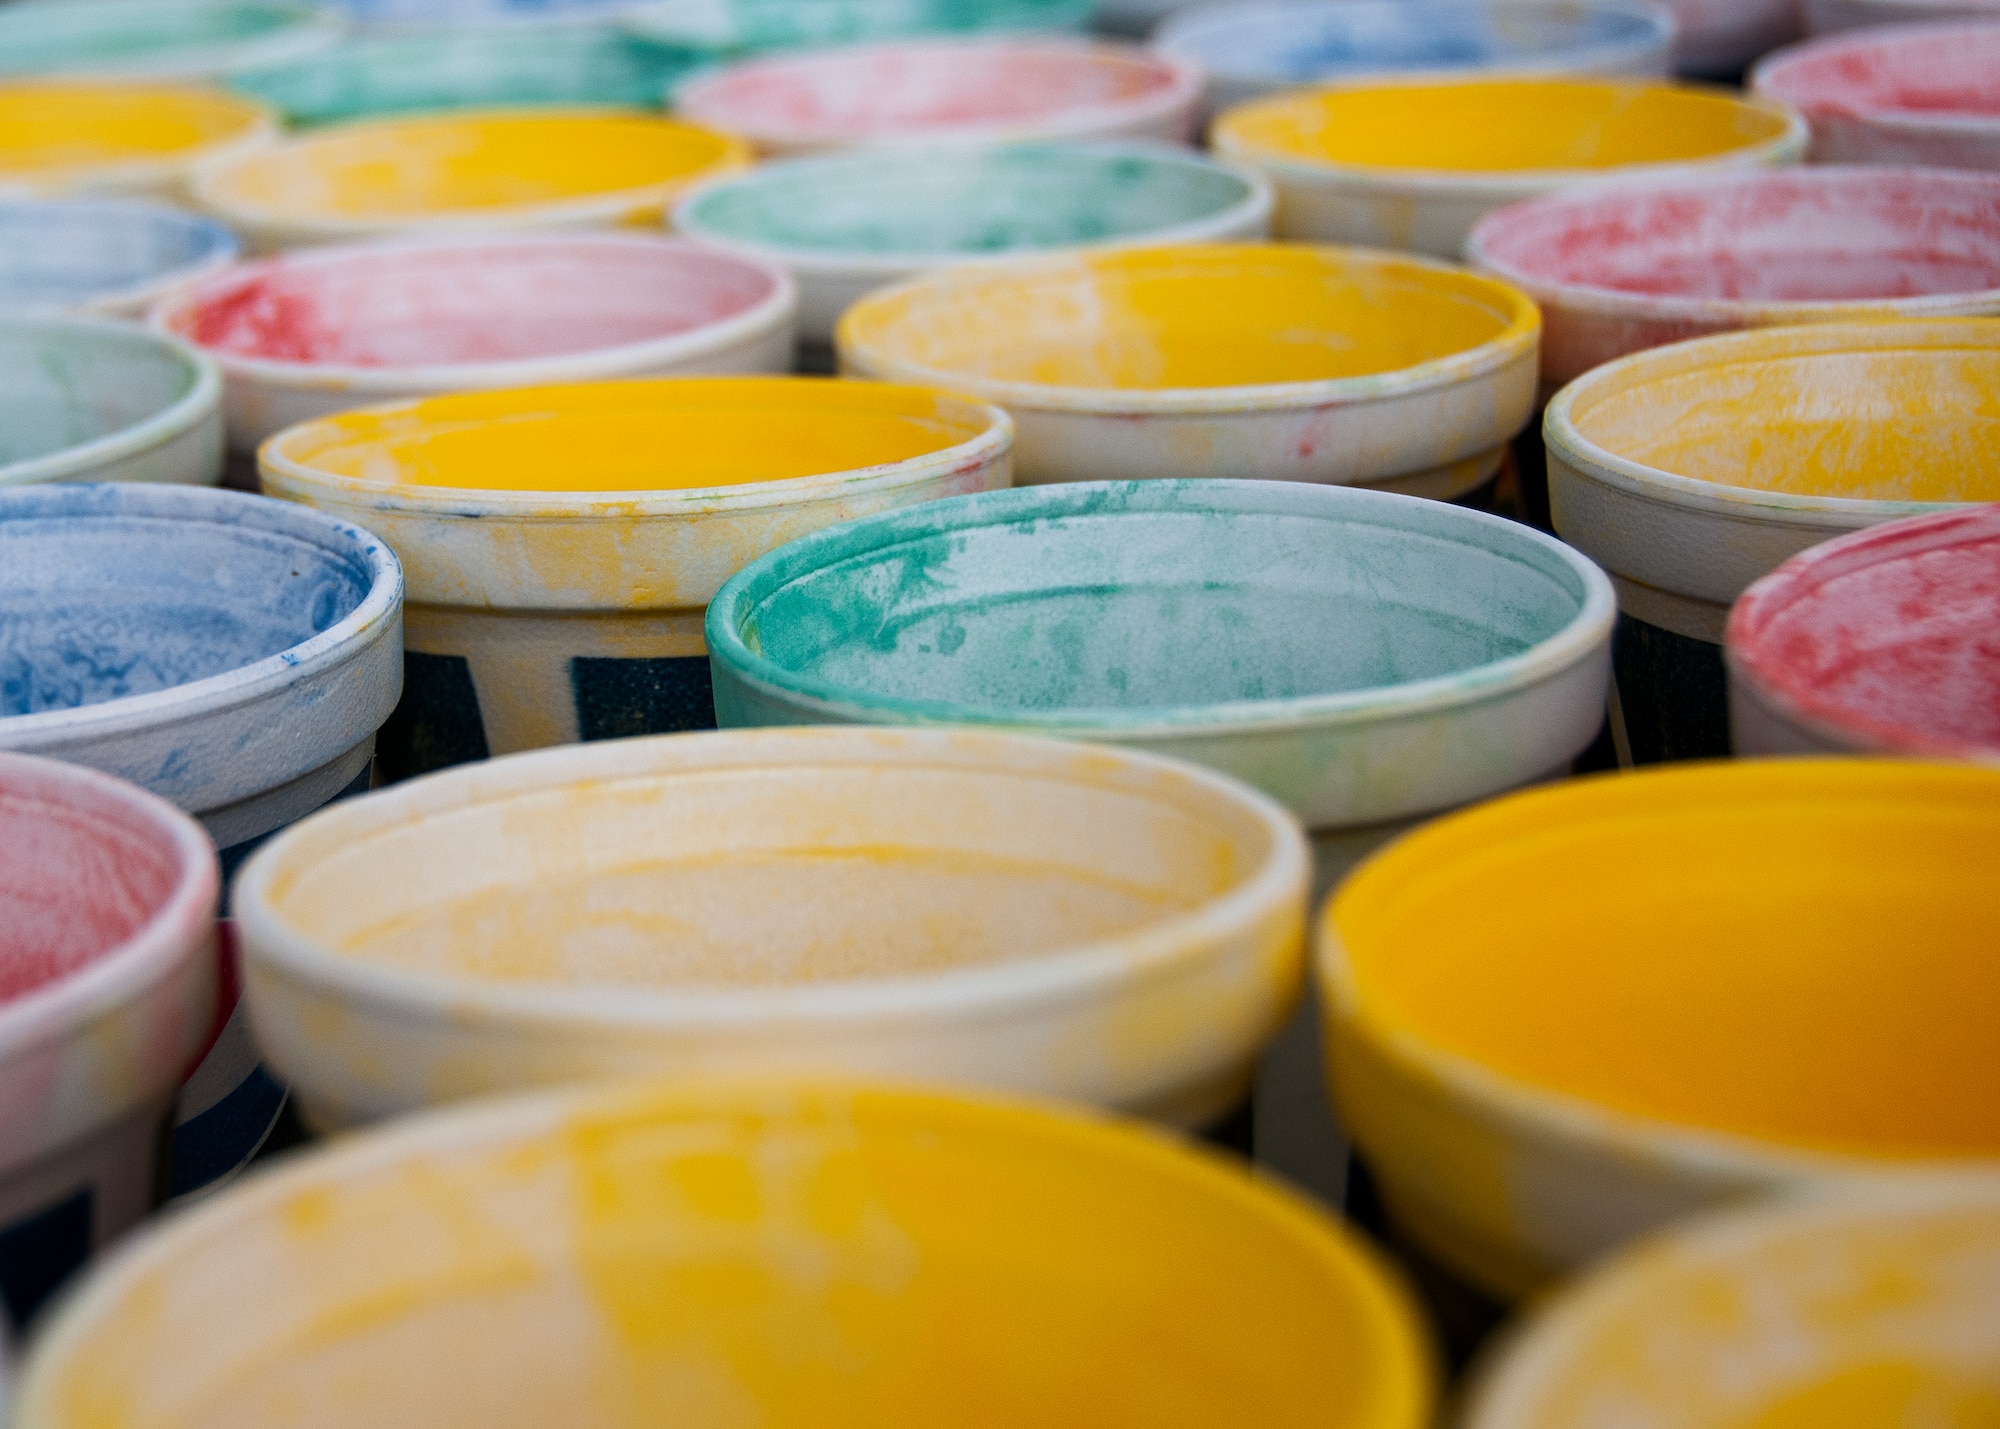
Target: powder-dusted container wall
329 329
846 224
480 169
1885 641
86 399
1325 644
1638 264
1908 94
790 1256
978 909
62 139
1274 361
1691 470
231 654
467 67
1761 976
103 258
958 92
107 991
1253 47
562 542
158 39
1414 163
1773 1314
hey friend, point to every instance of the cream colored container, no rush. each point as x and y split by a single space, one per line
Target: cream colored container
561 543
75 138
468 170
1689 471
1758 976
787 1256
1619 268
1267 361
1882 641
1867 1308
107 994
328 329
1414 163
964 92
943 906
1902 94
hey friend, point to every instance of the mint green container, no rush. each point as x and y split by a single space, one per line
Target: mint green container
475 67
732 28
158 39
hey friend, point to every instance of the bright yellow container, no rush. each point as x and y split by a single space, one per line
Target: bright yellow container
782 1256
1735 978
1415 163
67 139
477 169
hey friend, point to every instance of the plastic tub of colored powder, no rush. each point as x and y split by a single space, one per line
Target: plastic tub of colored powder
327 329
738 27
107 992
103 258
962 92
1414 163
411 16
66 139
561 543
1825 16
1253 47
1690 471
470 67
1872 1307
1885 641
1233 360
230 654
846 224
933 905
1326 644
789 1256
1631 266
86 399
158 39
475 169
1904 94
1759 976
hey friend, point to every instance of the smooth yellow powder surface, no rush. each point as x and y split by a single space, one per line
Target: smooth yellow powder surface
52 127
1801 951
1906 424
659 435
1220 316
1498 125
406 168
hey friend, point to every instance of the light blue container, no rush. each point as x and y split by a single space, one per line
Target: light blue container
475 66
231 653
1257 46
109 259
158 39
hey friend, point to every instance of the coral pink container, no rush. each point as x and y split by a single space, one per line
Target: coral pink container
324 330
947 92
1621 268
107 997
1886 641
1897 94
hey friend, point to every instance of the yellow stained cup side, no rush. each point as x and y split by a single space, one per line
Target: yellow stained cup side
408 168
1806 952
663 434
48 128
1222 315
814 1257
1899 423
1500 125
